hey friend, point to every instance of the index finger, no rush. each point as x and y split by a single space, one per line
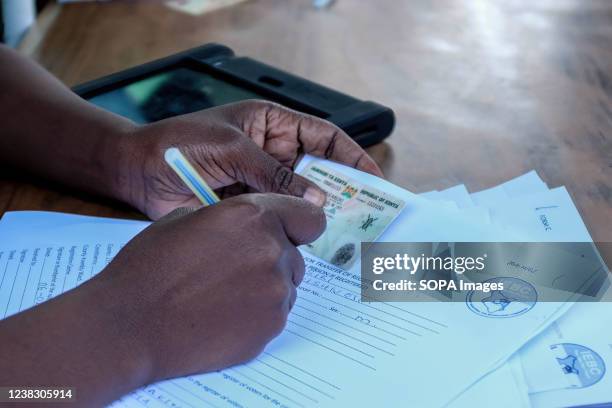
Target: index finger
324 139
293 129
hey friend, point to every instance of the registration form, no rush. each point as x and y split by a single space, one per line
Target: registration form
336 349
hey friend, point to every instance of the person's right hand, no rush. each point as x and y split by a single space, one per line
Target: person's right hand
202 290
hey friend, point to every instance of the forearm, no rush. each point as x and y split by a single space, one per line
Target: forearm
49 131
80 340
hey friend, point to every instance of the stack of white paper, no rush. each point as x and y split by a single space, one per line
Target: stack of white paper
337 350
566 365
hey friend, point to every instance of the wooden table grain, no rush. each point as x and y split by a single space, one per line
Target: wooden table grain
483 90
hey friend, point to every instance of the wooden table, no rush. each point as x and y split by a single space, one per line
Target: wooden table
483 90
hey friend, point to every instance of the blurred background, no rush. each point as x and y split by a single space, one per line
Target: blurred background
19 15
483 90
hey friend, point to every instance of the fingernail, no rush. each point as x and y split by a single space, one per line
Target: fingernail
315 196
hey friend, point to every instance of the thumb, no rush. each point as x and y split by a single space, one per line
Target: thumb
266 174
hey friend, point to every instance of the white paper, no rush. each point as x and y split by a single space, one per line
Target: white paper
548 216
335 351
531 208
570 364
528 183
501 386
453 196
458 194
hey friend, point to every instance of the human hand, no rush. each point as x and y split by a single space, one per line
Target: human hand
246 146
200 291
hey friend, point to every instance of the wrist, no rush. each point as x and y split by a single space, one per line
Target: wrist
83 339
119 327
97 162
123 166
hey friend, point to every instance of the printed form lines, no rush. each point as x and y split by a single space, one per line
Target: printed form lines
331 339
383 311
295 378
329 348
276 380
252 380
325 307
345 325
12 289
343 333
302 370
397 326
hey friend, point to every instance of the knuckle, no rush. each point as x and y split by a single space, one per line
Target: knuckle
231 141
275 251
256 211
282 178
260 104
278 291
252 207
299 263
278 323
299 268
271 255
251 108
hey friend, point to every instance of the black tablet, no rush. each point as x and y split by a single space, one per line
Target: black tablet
211 75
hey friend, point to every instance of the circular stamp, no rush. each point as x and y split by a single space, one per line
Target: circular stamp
581 365
516 298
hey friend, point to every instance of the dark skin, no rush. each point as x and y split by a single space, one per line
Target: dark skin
161 308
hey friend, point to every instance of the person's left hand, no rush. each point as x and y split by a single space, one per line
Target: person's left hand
246 146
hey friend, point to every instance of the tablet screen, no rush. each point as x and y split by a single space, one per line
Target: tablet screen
171 93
